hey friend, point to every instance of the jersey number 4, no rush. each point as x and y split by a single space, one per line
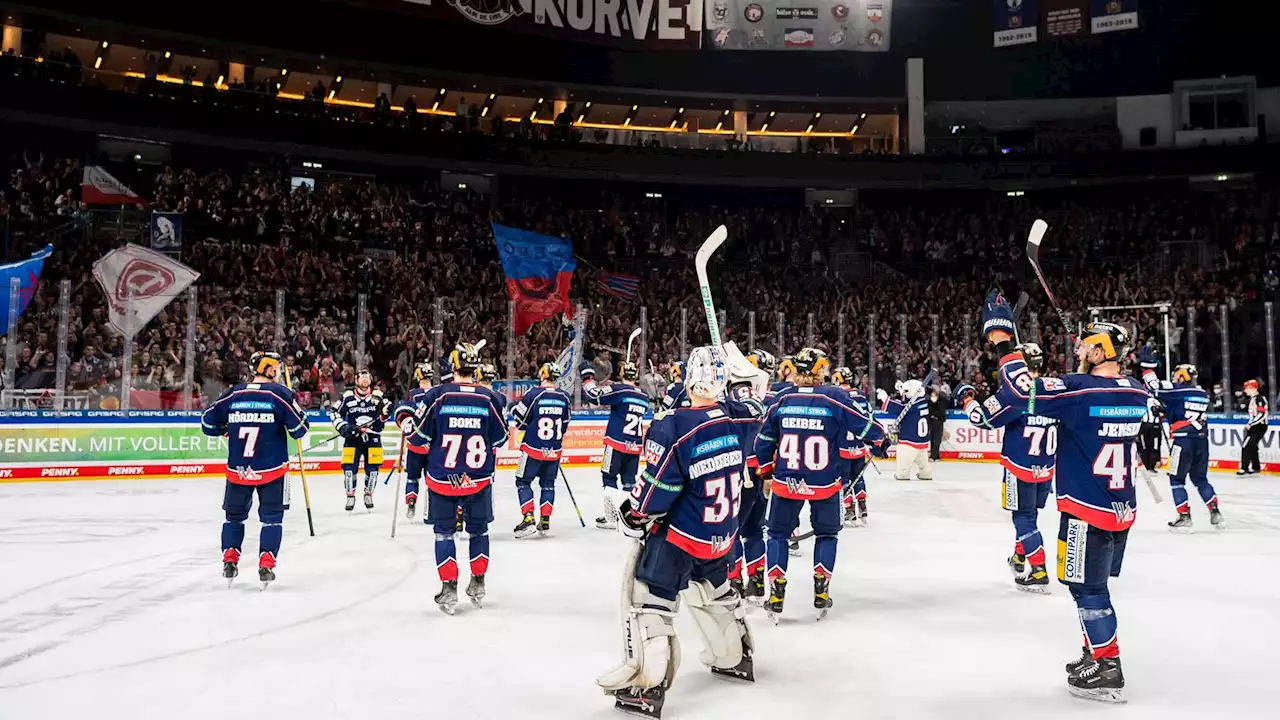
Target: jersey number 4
725 494
475 455
817 452
1112 463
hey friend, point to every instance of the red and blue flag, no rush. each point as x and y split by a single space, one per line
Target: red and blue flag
619 285
538 270
28 274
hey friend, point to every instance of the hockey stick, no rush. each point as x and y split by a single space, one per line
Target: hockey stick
1038 230
634 333
709 247
302 465
572 499
810 533
395 499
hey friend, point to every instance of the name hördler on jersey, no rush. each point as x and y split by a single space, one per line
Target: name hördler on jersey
660 21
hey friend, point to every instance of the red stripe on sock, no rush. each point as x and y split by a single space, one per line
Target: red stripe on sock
231 555
266 560
1037 557
479 565
448 570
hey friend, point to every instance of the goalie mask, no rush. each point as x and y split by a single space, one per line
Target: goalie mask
706 373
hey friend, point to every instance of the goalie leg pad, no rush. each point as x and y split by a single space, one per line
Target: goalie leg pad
650 648
721 619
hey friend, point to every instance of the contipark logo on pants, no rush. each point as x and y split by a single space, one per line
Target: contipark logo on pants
1071 551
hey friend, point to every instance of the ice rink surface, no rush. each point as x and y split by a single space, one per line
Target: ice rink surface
111 606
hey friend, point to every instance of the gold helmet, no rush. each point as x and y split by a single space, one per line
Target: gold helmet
1112 338
424 371
787 368
842 376
811 361
549 372
1185 373
259 362
763 360
488 373
465 358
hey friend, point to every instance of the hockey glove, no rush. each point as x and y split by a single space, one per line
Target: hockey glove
880 449
881 396
997 316
406 426
964 393
1147 358
633 524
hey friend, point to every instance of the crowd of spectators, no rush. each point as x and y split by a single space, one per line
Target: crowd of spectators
907 270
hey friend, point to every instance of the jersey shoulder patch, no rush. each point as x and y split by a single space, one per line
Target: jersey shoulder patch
1053 383
992 404
348 393
377 393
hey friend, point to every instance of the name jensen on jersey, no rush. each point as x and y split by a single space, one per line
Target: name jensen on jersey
242 418
713 464
1119 430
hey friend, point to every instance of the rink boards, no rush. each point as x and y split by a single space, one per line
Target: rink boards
97 445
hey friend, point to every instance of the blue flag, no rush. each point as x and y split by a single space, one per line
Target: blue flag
28 274
538 269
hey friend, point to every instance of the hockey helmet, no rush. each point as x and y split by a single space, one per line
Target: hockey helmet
842 376
763 360
787 367
465 358
1032 355
1110 337
706 373
549 372
487 373
677 371
260 361
1185 373
629 372
424 371
811 361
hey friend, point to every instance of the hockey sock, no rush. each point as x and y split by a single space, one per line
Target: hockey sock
411 490
269 539
349 480
776 556
479 547
735 559
1179 492
232 536
860 489
447 556
546 500
754 555
1098 620
1207 494
824 555
610 481
1030 543
524 493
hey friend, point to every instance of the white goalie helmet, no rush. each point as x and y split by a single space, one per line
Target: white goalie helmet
707 372
911 389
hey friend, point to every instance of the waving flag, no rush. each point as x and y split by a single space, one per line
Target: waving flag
99 187
620 286
538 269
138 284
28 274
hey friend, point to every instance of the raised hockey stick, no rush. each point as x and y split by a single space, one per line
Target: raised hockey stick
634 334
302 465
1038 230
572 499
709 247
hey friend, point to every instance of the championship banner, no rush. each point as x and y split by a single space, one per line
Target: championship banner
166 232
538 269
1016 22
851 25
1114 15
138 284
1065 18
629 24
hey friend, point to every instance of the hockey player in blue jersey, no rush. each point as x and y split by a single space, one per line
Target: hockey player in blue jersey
855 492
748 556
684 510
1027 454
675 396
1186 406
486 376
462 429
543 416
912 429
786 370
359 417
1099 411
803 449
407 414
257 418
623 434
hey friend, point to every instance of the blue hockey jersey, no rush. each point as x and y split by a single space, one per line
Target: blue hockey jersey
462 429
913 425
803 433
675 396
361 416
413 406
862 405
627 407
1030 441
1098 420
543 415
694 472
776 389
1185 406
258 420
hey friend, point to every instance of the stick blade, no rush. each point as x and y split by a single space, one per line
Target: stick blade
1038 230
710 245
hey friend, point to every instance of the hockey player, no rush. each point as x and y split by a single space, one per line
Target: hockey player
257 419
461 430
748 554
623 434
854 494
359 418
486 376
1098 410
1150 437
1255 430
912 429
675 395
807 438
1186 405
407 415
684 510
1027 454
786 370
543 416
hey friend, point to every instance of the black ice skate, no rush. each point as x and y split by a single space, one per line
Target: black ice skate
447 598
368 500
821 594
1035 581
475 590
266 576
851 515
1018 565
736 584
229 571
642 703
862 512
410 507
526 528
793 547
755 587
604 523
351 502
1102 681
745 670
1085 660
1215 518
544 525
778 596
1182 523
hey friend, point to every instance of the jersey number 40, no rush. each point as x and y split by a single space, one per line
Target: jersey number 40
815 449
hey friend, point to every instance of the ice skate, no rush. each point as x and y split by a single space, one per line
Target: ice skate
851 515
526 528
821 594
1085 660
447 598
777 597
744 670
862 512
351 502
736 584
642 703
1018 565
1182 524
544 525
1102 681
1036 580
229 571
608 521
266 576
754 589
475 590
410 508
1216 519
368 500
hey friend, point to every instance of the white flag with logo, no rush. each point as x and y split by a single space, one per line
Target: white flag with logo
138 284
